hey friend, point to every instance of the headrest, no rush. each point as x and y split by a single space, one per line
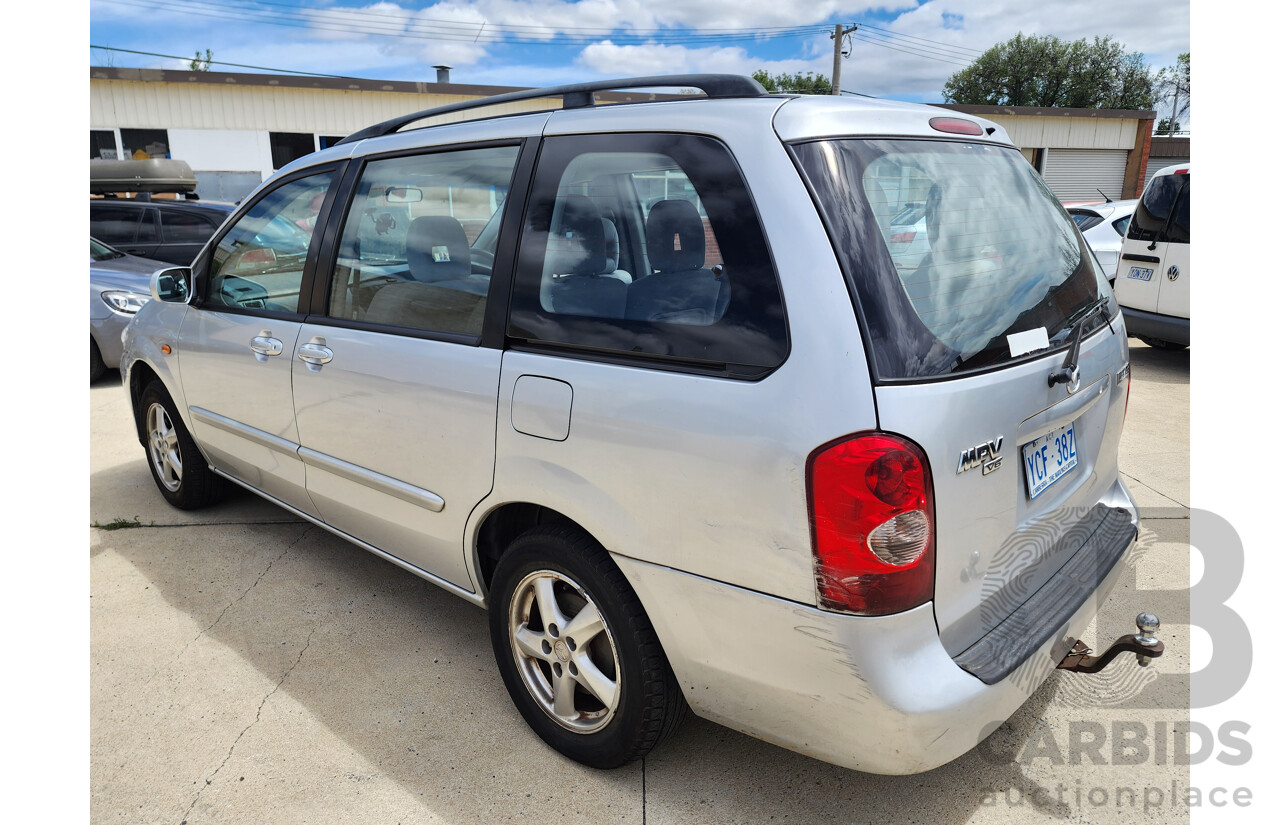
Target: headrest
611 246
675 235
577 246
438 249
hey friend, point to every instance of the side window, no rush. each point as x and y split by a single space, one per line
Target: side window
185 227
258 263
648 245
114 224
418 242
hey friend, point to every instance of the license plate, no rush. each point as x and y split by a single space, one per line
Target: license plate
1049 458
1140 273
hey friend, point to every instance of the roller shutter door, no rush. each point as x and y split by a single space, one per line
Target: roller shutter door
1156 164
1078 174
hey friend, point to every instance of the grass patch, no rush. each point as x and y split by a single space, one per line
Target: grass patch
120 524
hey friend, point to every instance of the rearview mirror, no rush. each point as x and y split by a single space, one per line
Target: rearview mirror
403 194
171 285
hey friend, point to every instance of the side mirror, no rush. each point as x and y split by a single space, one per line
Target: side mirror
171 285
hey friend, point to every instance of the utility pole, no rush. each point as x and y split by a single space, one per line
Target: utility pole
839 36
835 68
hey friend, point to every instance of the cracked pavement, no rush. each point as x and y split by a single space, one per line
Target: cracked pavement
247 666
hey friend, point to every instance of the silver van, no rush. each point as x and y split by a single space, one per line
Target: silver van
650 382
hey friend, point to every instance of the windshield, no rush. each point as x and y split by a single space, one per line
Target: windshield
992 252
98 251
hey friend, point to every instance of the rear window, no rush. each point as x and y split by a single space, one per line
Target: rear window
1085 220
991 252
1165 196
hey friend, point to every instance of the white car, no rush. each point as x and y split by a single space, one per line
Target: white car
1103 226
1154 278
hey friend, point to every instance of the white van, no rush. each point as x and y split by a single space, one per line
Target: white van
1153 281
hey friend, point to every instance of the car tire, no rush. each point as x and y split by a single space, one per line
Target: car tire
176 464
604 700
97 368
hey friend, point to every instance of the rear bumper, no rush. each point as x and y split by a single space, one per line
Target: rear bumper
1154 325
877 694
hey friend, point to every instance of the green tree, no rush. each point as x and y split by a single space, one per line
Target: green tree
1172 87
805 84
1028 70
201 61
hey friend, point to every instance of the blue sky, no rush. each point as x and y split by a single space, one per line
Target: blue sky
904 49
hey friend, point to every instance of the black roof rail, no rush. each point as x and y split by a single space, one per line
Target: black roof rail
576 96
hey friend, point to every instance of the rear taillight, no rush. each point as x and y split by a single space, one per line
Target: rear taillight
902 237
871 511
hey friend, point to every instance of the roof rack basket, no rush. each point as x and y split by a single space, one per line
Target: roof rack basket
577 96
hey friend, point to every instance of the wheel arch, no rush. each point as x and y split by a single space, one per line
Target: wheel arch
501 525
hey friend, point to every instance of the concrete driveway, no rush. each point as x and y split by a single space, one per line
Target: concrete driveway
249 667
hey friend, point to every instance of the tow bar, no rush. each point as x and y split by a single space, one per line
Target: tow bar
1143 644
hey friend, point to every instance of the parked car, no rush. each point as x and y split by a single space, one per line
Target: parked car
1103 226
1153 281
679 491
162 229
119 284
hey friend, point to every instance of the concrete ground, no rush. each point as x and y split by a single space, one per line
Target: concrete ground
249 667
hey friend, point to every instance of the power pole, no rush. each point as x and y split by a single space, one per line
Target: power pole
839 36
835 68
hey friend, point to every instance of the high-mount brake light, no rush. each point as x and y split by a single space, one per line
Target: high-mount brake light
955 126
871 513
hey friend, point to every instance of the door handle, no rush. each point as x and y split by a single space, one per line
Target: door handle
264 345
315 355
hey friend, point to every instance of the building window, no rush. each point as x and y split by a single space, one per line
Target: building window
102 144
329 140
141 144
286 147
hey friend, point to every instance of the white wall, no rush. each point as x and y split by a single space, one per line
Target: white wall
222 150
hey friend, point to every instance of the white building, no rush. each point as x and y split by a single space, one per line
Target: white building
235 129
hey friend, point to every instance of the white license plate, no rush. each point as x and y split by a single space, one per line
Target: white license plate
1049 458
1140 273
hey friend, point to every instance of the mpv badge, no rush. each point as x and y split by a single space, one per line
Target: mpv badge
1173 272
986 455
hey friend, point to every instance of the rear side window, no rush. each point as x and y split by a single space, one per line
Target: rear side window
415 252
648 246
185 227
1159 202
114 224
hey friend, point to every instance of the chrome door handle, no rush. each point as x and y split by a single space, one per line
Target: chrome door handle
264 345
315 355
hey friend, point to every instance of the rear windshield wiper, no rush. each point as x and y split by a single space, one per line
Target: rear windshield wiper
1069 374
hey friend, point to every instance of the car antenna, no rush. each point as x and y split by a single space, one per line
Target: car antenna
1103 194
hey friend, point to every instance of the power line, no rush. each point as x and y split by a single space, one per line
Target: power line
907 51
922 39
593 30
916 48
225 63
481 33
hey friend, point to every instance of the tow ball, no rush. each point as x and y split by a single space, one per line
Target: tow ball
1143 644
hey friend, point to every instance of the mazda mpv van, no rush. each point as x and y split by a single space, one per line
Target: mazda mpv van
649 383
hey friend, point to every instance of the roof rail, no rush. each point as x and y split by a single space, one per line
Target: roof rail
576 96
